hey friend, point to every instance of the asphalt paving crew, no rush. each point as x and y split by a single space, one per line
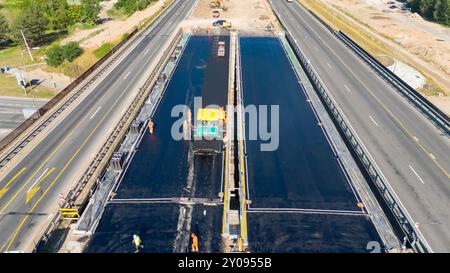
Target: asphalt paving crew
137 243
150 126
194 246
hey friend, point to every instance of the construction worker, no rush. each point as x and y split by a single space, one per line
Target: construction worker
150 126
137 243
194 247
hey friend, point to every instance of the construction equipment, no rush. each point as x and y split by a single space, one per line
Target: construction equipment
226 24
208 131
69 213
222 24
221 49
215 4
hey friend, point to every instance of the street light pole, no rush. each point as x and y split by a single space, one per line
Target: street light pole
398 51
139 17
26 44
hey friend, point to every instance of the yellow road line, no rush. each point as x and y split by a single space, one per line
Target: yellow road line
389 112
31 192
244 231
50 156
13 238
5 188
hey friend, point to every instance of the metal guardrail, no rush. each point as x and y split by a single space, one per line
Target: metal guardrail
60 96
120 48
404 220
434 113
414 236
429 109
101 155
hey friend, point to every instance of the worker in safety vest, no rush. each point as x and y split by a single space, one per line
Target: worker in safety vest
137 242
194 242
150 126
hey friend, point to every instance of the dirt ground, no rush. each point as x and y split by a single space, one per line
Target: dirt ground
252 17
112 30
422 44
90 39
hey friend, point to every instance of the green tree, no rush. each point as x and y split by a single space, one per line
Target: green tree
55 56
91 9
130 6
56 12
441 12
75 13
71 51
4 28
426 8
32 22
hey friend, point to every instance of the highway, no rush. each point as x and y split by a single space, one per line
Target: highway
11 114
165 168
412 153
54 165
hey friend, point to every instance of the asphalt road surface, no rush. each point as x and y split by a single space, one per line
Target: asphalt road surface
51 167
412 153
163 167
302 173
11 114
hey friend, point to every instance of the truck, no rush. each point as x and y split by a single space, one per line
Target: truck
222 24
208 131
221 49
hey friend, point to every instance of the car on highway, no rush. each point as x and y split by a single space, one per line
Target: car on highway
218 23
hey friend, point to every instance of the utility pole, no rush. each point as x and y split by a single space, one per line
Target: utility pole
398 51
139 17
28 48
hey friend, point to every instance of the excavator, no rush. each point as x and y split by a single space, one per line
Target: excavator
217 4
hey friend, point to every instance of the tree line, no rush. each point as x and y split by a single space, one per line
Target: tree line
435 10
38 18
130 6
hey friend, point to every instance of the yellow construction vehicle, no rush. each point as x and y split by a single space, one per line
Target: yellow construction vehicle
208 131
215 4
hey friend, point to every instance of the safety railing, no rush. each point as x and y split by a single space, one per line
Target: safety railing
119 49
414 236
429 109
104 155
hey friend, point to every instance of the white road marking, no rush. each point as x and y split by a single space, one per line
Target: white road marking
126 75
37 180
348 89
432 156
415 138
414 171
374 122
145 53
95 113
329 65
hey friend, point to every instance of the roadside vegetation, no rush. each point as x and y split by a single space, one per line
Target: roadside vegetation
43 23
434 10
372 45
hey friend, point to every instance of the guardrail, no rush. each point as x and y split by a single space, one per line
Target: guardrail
44 109
434 113
414 236
105 153
120 48
429 109
404 220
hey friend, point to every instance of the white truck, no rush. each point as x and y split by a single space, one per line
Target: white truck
221 49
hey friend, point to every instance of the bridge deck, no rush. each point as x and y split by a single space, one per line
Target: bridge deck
150 199
302 176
